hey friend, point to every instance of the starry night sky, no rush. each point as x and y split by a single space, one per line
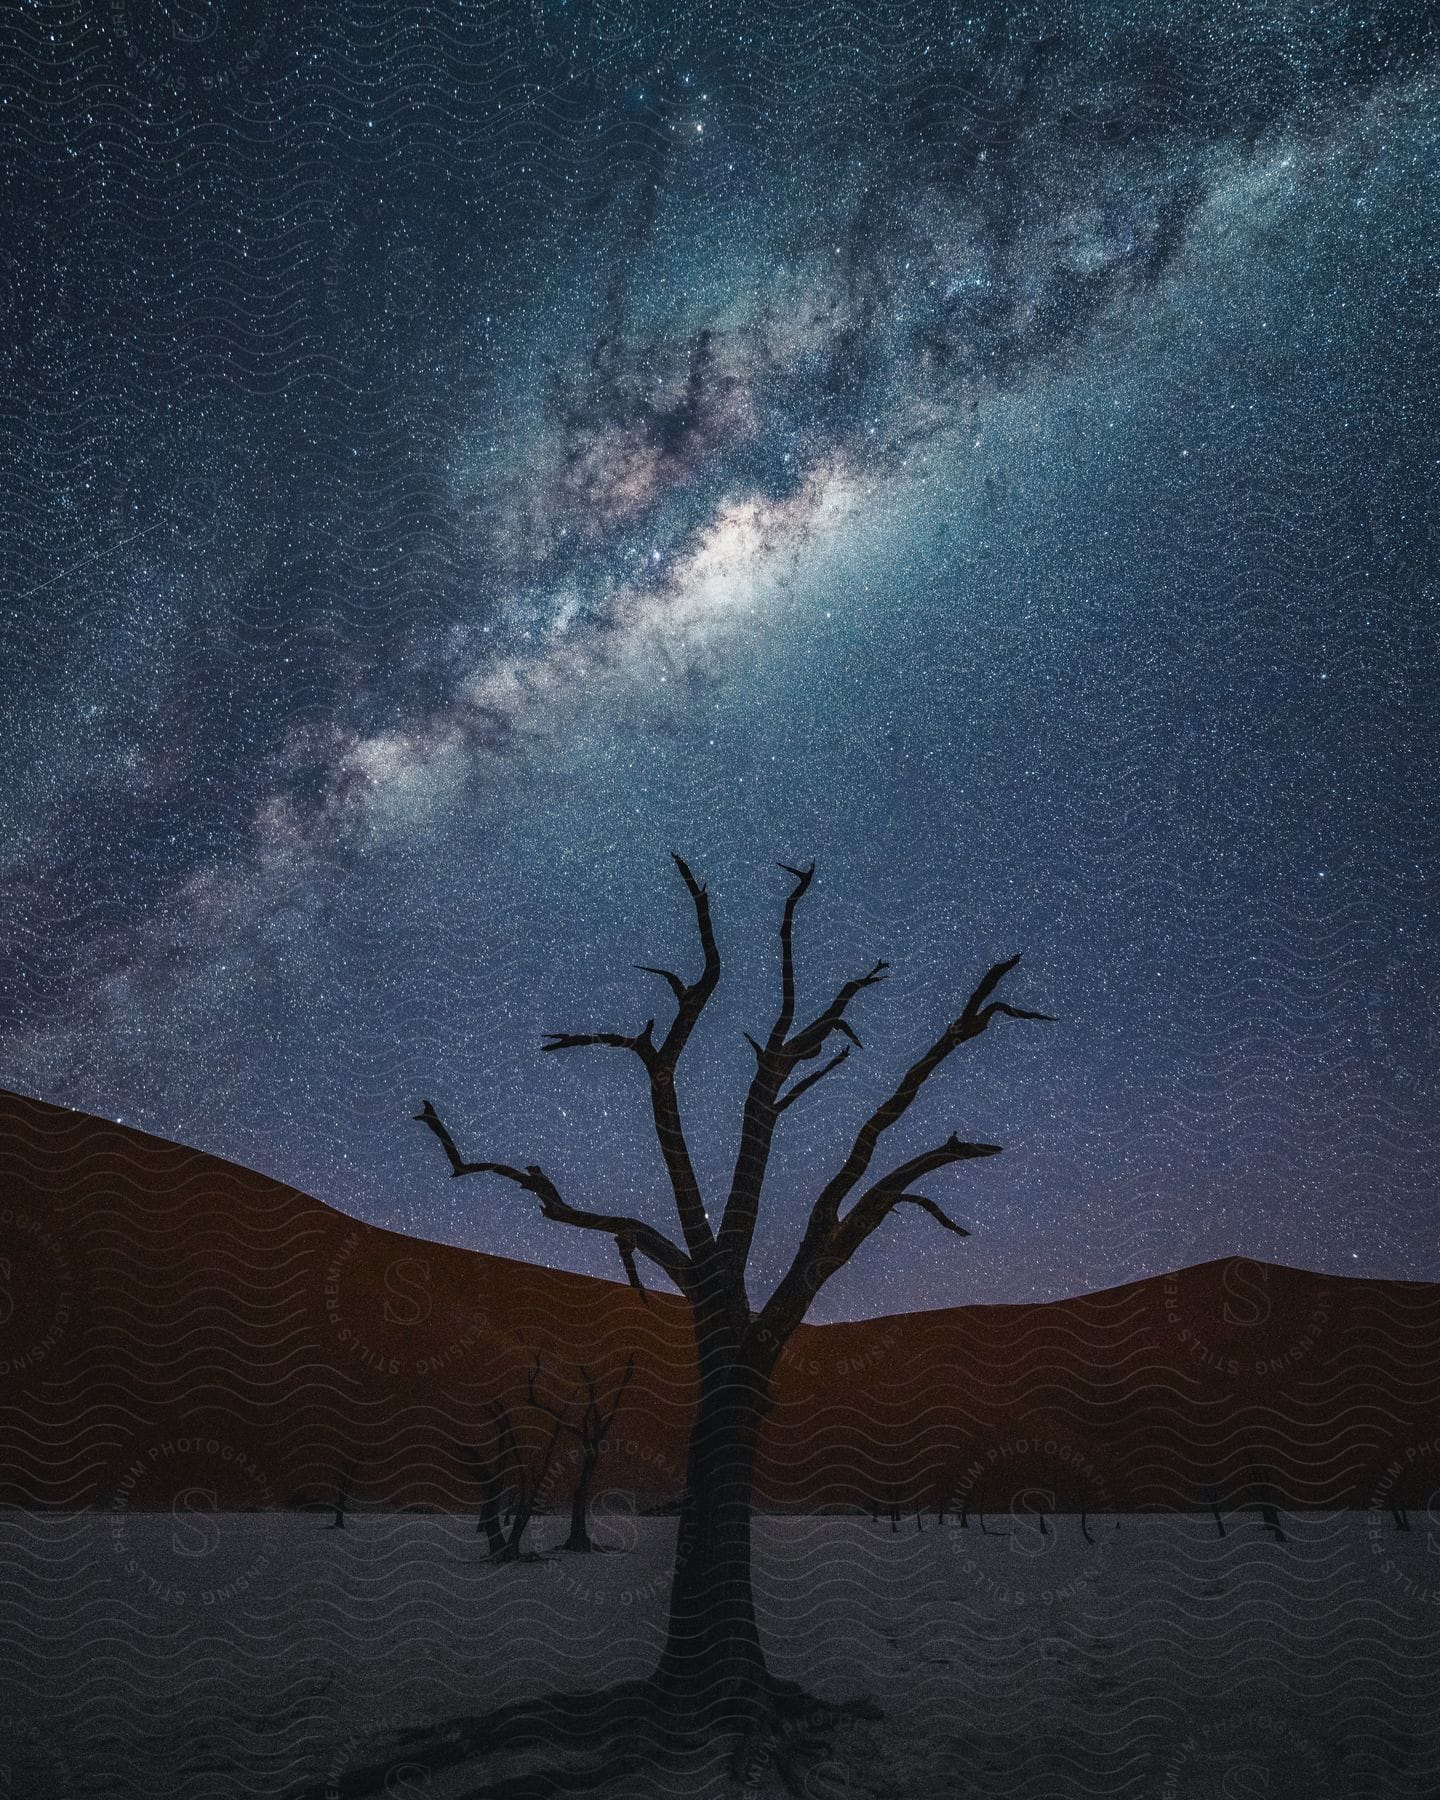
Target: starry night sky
455 455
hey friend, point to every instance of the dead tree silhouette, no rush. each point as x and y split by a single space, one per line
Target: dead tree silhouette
342 1498
525 1479
712 1676
591 1429
1265 1499
488 1475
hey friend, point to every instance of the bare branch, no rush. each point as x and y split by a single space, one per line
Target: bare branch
809 1081
654 1244
937 1213
989 981
874 1206
953 1150
594 1421
1013 1012
973 1018
775 1062
829 1244
507 1451
660 1061
786 1015
606 1419
664 1103
532 1378
810 1040
877 1203
668 976
625 1244
458 1166
695 994
642 1043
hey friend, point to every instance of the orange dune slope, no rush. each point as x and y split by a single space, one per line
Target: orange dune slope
173 1325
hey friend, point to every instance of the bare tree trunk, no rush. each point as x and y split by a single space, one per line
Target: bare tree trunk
579 1538
529 1484
342 1499
712 1661
489 1476
592 1429
1270 1519
489 1520
490 1525
510 1541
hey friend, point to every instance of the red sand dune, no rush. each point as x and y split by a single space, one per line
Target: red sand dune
172 1323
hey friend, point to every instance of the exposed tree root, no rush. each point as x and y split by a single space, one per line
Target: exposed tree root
624 1734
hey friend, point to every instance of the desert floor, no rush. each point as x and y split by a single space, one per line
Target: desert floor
197 1654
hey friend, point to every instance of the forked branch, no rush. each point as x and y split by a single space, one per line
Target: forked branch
827 1246
809 1081
660 1060
693 996
775 1062
630 1234
830 1240
642 1043
592 1424
969 1023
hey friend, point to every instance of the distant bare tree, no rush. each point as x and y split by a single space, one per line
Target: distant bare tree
1266 1502
342 1498
489 1476
591 1428
526 1478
